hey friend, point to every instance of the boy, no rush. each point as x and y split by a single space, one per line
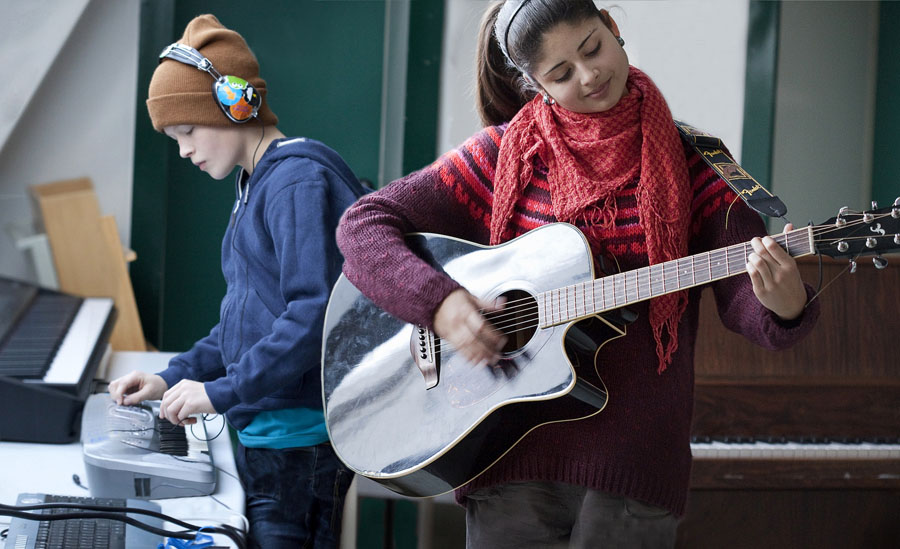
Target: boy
260 365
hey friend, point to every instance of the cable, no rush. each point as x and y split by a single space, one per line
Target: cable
262 135
116 513
109 515
206 419
100 508
77 480
227 473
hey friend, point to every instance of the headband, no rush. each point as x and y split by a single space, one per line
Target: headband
504 47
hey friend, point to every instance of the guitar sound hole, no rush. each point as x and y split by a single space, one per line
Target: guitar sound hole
518 319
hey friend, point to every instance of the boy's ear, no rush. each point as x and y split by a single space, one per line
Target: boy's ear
609 22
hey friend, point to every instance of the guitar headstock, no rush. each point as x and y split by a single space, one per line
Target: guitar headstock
854 234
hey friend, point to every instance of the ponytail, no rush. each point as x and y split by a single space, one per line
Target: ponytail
500 88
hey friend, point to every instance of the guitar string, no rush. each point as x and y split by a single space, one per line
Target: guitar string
514 317
528 306
527 316
791 239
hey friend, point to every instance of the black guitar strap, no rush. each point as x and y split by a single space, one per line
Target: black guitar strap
713 152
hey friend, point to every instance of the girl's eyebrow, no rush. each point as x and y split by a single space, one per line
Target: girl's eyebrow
583 42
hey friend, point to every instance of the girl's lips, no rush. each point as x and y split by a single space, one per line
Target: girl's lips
601 91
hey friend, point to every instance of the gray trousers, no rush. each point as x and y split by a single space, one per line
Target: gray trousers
557 515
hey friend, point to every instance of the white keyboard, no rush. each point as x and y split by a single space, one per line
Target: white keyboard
74 352
794 450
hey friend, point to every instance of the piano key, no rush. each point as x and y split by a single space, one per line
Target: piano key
36 336
75 351
795 450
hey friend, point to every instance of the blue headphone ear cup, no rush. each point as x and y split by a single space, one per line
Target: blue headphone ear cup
237 98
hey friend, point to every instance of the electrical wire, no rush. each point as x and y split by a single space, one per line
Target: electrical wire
87 511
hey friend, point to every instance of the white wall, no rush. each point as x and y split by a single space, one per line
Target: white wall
676 42
78 120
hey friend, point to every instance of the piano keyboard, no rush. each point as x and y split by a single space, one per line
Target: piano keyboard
796 450
36 336
48 337
78 344
130 451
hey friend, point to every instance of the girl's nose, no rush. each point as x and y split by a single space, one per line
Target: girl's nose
589 76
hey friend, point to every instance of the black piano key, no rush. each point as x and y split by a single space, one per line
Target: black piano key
32 343
172 438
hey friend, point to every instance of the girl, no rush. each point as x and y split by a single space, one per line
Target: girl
575 134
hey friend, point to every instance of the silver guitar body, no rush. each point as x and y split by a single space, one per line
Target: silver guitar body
383 421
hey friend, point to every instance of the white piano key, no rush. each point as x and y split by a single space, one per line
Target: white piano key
75 350
794 450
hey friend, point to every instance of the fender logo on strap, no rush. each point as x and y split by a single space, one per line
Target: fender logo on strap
712 151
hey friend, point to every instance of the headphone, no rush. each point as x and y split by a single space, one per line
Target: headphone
234 95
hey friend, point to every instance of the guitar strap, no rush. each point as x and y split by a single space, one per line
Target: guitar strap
713 153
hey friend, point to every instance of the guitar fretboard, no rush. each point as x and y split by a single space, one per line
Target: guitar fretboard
611 292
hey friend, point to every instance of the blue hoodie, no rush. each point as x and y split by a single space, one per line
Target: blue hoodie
280 261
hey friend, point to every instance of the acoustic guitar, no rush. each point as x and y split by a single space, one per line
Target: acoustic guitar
406 410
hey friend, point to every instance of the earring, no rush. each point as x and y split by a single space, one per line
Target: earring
620 40
548 100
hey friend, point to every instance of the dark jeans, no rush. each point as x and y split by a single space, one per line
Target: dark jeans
555 515
295 497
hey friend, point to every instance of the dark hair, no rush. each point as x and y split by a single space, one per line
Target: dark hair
503 84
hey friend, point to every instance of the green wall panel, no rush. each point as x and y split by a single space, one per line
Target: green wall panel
426 22
759 93
322 61
886 150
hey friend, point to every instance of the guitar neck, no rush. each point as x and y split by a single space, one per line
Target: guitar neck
585 299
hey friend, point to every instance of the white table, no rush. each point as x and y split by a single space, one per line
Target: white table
49 468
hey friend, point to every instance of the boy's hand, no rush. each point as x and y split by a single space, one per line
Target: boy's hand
183 400
136 387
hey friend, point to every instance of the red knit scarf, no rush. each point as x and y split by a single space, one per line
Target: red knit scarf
590 157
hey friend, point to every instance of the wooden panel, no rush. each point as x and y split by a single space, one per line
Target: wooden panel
785 474
855 336
87 253
128 334
790 519
795 408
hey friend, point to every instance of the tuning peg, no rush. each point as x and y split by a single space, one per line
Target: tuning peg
839 221
880 262
897 238
871 242
868 217
895 211
842 246
852 266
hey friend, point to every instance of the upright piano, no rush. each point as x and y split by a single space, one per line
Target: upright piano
801 447
51 344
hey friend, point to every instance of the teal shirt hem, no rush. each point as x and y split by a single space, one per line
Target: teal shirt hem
285 428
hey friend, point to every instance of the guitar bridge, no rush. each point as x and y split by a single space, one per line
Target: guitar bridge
423 346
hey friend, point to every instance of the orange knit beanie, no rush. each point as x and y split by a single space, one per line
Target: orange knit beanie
182 94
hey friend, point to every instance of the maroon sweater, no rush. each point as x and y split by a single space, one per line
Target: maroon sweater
639 445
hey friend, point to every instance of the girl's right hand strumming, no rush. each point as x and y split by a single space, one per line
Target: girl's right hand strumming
459 321
136 387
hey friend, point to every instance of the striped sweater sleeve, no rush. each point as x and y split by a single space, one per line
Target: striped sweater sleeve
720 219
453 196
